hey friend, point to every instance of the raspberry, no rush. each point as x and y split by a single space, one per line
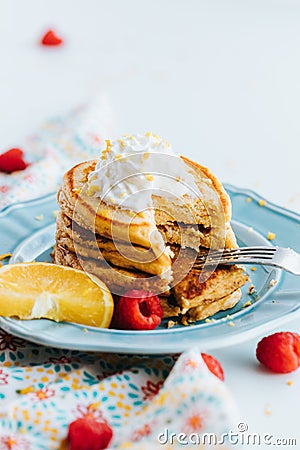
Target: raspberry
88 434
12 160
50 38
280 352
213 365
138 310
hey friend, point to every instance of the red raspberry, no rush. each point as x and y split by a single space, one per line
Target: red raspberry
12 160
213 365
280 352
50 38
88 434
138 310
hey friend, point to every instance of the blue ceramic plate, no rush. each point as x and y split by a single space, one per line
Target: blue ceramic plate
27 230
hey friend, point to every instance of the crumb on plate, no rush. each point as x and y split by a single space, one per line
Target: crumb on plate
248 303
185 322
267 409
251 289
273 283
5 255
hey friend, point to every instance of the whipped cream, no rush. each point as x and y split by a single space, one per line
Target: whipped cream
134 168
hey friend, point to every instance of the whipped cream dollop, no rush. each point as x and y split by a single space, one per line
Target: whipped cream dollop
133 168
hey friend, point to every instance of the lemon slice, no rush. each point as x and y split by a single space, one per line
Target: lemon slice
45 290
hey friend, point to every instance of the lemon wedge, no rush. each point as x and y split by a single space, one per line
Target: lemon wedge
45 290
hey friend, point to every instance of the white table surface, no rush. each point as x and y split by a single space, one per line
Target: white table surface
218 79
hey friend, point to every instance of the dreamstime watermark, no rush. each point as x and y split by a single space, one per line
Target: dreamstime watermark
239 437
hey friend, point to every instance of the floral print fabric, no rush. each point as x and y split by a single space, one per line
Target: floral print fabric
144 399
54 148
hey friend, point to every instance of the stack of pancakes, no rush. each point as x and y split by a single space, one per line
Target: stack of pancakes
155 249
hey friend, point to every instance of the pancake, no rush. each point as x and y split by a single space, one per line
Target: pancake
170 310
200 312
220 291
154 249
86 244
118 280
200 294
221 282
212 210
190 236
106 220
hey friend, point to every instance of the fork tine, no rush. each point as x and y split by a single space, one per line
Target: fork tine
241 255
200 264
230 257
253 252
247 250
284 258
262 250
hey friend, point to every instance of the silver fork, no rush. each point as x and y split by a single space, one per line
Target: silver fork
284 258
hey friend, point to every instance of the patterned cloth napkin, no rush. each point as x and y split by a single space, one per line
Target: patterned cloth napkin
59 144
148 401
144 399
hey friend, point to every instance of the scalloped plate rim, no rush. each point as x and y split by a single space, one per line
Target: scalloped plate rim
10 324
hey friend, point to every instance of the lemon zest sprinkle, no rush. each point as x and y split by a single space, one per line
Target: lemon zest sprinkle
248 303
149 177
5 255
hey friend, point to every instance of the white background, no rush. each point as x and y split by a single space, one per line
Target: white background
219 79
